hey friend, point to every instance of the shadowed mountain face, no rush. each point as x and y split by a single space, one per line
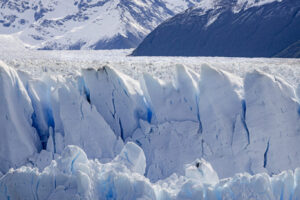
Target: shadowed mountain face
260 31
292 51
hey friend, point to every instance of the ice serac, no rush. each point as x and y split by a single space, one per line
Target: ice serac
173 101
167 144
64 116
173 135
84 126
19 139
222 116
39 93
133 157
201 171
118 98
72 159
72 176
273 120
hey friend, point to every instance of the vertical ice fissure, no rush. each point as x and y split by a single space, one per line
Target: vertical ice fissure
121 130
244 120
200 130
266 155
84 90
52 134
113 104
48 115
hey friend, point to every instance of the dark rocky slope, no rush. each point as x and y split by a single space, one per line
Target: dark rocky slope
292 51
262 31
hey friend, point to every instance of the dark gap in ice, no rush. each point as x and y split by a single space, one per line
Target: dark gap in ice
113 113
84 90
42 136
266 155
47 114
121 130
244 120
200 129
149 111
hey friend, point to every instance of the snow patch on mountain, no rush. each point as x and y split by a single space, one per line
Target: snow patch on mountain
11 43
245 4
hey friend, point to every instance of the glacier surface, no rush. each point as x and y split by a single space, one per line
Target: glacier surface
240 121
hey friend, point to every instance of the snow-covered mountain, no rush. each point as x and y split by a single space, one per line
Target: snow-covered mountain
85 24
234 29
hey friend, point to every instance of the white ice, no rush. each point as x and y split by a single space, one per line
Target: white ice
176 110
243 124
73 176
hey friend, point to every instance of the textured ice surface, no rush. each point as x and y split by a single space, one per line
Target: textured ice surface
117 97
69 63
73 176
19 139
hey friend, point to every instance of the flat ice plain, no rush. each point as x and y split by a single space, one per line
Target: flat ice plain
147 121
69 62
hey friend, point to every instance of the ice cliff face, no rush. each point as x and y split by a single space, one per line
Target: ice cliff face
85 24
15 121
238 125
73 176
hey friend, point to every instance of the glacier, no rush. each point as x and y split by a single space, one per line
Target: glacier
146 135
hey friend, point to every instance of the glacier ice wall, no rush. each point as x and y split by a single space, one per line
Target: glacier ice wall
238 125
73 176
19 139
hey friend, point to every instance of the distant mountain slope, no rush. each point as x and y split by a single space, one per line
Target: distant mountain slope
259 31
10 44
86 24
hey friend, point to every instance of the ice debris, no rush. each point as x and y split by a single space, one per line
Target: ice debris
73 176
